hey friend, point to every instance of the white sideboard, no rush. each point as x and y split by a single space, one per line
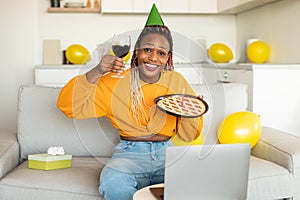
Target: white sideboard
59 75
228 73
273 90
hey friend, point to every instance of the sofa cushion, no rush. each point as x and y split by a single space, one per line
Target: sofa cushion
266 176
77 182
42 125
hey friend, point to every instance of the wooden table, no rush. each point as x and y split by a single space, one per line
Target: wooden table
145 194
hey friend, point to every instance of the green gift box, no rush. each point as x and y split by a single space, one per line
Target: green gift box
49 162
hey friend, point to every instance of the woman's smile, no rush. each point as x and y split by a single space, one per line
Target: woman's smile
151 67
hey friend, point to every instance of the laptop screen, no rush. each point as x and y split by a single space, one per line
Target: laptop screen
215 172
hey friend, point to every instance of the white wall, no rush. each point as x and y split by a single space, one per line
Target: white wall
278 25
17 39
25 24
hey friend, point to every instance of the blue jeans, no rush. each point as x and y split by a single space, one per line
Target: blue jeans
134 165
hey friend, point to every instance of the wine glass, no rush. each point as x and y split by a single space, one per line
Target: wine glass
121 48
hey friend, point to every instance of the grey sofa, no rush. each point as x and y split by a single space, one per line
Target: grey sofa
274 166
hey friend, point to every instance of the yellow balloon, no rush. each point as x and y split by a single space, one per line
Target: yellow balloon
126 58
240 127
179 142
258 52
77 54
220 53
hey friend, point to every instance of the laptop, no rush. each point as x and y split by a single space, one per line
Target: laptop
214 172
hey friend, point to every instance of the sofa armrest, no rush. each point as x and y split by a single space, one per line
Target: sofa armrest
9 153
279 147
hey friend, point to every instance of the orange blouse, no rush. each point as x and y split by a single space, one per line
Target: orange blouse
110 97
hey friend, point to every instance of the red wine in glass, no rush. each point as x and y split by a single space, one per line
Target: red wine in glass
120 50
120 47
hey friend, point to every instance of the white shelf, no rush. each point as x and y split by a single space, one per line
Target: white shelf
73 10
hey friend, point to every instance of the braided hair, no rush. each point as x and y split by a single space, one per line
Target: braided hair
137 96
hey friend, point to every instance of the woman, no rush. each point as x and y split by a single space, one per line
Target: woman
145 130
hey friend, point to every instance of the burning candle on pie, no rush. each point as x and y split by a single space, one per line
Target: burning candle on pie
182 97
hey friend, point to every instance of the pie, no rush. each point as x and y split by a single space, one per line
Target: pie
182 105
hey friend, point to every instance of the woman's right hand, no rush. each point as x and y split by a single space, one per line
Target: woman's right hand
108 63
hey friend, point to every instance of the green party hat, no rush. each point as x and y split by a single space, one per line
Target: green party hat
154 17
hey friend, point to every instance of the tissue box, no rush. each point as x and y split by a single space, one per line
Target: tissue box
49 162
